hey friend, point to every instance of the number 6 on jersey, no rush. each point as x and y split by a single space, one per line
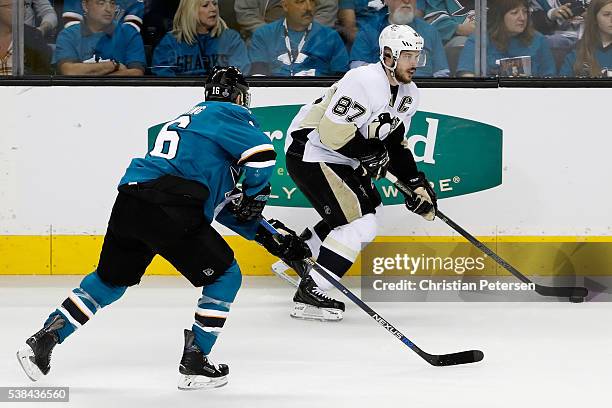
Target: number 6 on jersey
167 141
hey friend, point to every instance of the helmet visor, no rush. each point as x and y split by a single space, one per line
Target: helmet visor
419 58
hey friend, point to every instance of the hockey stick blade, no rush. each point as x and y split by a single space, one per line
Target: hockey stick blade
464 357
556 291
562 291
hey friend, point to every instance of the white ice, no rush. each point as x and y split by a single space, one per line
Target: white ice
536 354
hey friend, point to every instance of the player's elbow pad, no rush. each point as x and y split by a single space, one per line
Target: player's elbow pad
256 179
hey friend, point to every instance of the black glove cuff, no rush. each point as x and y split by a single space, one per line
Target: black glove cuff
421 181
248 208
264 237
417 181
285 245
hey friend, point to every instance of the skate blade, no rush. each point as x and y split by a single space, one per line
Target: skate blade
279 268
25 356
309 312
200 382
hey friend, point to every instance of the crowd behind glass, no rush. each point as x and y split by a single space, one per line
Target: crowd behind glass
167 38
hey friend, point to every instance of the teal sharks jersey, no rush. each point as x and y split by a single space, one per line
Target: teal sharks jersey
213 143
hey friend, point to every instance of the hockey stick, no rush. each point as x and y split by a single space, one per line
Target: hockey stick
462 357
575 294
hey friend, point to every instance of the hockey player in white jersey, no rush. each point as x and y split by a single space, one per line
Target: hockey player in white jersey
336 145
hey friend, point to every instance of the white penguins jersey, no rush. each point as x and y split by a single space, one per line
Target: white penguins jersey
361 100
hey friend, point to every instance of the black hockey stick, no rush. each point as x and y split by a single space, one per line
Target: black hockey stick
575 294
463 357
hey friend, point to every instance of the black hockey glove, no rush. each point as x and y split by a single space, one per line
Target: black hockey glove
285 245
423 201
247 208
376 161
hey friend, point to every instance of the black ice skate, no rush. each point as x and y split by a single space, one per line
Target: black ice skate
196 370
311 303
35 358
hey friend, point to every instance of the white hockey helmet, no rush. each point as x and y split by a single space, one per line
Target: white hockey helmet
398 38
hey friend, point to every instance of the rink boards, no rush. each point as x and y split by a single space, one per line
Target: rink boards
540 196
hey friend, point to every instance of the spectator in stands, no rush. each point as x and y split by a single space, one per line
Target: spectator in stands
159 15
365 48
354 15
6 37
297 45
40 12
593 54
455 20
561 21
98 46
252 14
128 12
199 41
509 35
37 54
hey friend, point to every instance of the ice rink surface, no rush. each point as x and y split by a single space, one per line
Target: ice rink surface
553 354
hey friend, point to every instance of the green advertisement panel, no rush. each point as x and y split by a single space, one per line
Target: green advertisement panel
459 156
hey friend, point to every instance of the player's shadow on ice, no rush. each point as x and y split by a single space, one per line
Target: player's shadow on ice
566 271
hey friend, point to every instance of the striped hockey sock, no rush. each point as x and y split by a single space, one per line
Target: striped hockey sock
83 302
213 308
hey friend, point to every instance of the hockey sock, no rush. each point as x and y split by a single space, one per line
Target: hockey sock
83 302
213 307
336 261
314 244
341 248
318 233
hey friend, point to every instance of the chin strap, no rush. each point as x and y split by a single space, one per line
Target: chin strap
391 69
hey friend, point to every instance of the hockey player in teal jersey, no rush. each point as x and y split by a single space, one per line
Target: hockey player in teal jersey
166 203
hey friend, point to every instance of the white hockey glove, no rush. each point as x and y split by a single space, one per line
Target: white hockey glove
423 201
